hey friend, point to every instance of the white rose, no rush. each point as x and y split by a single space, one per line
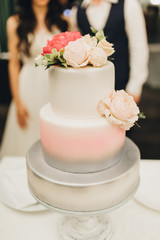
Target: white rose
91 41
44 62
39 60
106 46
123 106
120 109
98 57
77 53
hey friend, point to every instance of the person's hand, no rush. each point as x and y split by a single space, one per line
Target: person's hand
22 115
137 98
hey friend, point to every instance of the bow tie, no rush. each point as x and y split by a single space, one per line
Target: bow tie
85 3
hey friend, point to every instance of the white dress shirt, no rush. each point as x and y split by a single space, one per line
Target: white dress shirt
136 32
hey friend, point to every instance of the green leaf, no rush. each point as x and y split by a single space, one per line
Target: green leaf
137 124
47 66
36 65
60 57
64 64
54 52
61 52
110 58
141 115
93 30
51 63
48 56
100 35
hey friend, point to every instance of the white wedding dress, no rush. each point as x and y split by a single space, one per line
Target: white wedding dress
33 86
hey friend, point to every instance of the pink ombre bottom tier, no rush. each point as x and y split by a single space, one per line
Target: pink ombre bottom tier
78 140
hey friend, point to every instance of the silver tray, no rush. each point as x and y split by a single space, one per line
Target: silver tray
44 181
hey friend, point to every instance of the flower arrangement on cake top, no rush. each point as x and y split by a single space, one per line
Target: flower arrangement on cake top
72 49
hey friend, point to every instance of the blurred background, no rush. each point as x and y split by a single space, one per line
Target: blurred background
147 137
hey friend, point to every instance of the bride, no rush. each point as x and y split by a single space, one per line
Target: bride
28 31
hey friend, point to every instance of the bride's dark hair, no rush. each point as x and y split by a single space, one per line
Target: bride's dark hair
27 21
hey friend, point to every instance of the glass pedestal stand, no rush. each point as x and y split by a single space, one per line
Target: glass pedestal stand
93 225
84 199
85 227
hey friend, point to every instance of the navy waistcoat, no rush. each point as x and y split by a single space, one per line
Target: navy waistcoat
115 32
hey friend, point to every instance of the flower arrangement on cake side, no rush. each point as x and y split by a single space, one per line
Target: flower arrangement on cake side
120 109
72 49
77 51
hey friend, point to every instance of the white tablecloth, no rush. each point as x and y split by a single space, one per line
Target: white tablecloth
132 221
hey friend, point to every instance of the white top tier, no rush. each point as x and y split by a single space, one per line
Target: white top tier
75 93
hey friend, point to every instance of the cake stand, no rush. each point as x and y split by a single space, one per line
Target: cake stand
84 199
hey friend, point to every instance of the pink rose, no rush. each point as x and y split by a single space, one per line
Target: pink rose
120 109
61 40
98 57
107 47
77 53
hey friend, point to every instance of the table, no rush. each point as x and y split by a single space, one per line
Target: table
132 221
